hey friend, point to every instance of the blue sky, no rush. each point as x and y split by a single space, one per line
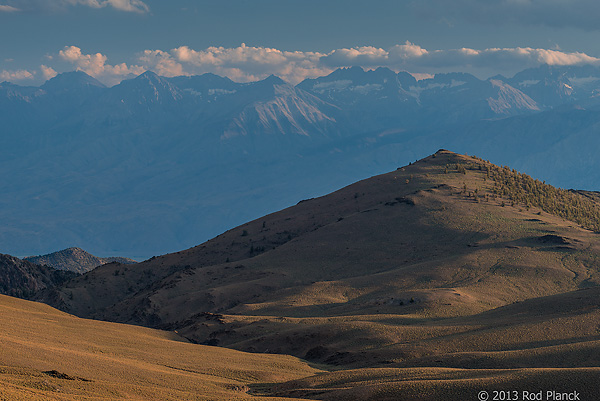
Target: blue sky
251 39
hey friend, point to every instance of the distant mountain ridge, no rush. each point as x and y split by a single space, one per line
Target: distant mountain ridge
156 164
23 279
75 259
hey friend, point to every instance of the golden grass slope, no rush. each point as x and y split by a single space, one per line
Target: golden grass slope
49 355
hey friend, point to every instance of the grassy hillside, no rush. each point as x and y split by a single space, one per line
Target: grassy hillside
49 355
448 263
434 384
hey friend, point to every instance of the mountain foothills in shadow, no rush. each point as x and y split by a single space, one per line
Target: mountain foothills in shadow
437 280
75 259
22 279
158 164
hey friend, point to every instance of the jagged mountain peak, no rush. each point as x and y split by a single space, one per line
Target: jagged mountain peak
347 72
353 85
71 80
269 82
74 88
449 78
204 79
147 78
148 75
147 88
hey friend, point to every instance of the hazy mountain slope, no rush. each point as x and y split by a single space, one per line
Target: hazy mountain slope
49 355
382 99
552 86
75 260
117 173
341 278
157 164
370 100
466 98
290 109
23 279
72 88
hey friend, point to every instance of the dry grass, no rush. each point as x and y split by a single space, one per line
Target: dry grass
90 360
434 384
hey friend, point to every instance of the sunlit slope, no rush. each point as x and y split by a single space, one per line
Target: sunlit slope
345 278
49 355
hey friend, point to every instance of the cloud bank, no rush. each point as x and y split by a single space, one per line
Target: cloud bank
245 63
16 75
248 63
413 57
136 6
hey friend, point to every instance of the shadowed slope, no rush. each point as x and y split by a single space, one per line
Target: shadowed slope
20 278
49 355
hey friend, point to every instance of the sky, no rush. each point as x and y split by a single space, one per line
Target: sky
248 40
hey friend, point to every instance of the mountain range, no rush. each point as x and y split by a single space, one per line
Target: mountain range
157 164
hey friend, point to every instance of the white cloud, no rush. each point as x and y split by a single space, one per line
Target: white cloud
16 75
162 63
364 56
48 72
247 63
136 6
8 9
95 65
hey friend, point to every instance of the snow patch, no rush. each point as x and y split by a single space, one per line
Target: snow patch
193 92
529 82
212 92
334 85
364 89
417 90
